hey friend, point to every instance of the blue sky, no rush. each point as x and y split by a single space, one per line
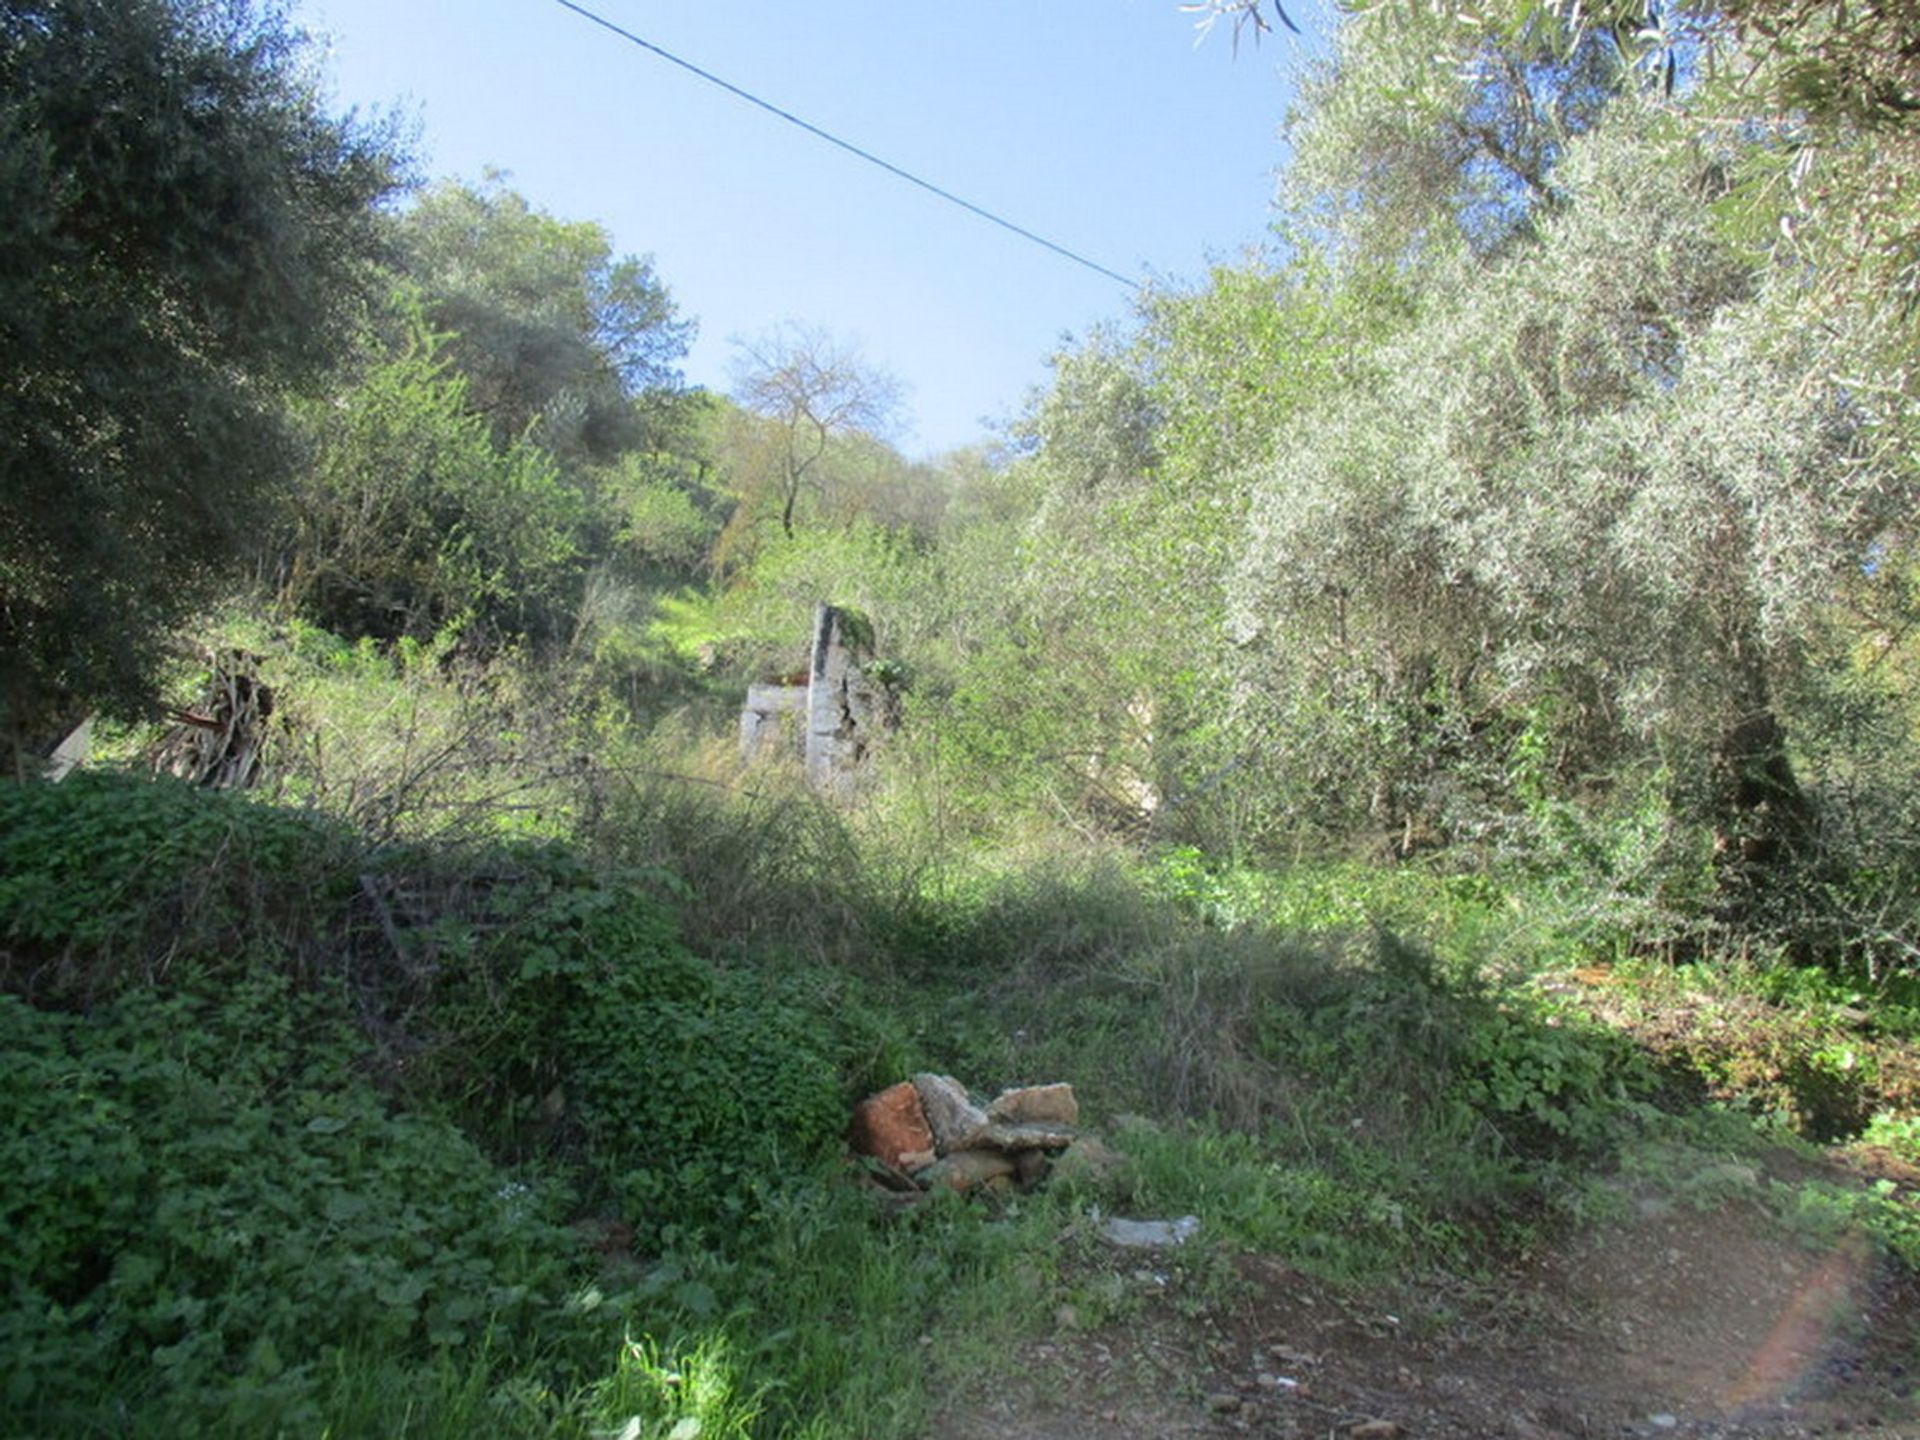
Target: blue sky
1097 123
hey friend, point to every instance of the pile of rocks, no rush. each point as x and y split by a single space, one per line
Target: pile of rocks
927 1132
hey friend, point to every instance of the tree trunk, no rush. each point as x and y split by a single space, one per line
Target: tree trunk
1762 820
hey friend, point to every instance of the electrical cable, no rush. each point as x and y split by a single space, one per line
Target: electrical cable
584 13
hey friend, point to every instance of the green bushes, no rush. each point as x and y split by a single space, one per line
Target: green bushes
1313 1084
764 862
1425 1057
686 1089
290 1102
106 881
548 1005
289 1138
205 1196
203 1200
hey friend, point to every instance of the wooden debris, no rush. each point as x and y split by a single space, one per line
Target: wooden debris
220 742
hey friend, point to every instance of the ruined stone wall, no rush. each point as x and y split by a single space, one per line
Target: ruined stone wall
773 723
844 706
841 709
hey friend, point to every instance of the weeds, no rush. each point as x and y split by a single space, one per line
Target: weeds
651 1396
322 1104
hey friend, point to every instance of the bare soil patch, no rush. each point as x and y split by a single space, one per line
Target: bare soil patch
1710 1321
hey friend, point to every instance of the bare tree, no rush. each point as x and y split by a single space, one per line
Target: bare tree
816 387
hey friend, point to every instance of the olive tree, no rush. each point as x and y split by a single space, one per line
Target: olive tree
559 338
183 231
1609 492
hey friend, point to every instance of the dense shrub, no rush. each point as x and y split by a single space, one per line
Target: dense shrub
279 1100
203 1201
109 880
571 1005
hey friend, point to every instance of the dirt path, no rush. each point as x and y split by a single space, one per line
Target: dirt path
1699 1319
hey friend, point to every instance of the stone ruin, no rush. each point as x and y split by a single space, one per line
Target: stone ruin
928 1134
829 718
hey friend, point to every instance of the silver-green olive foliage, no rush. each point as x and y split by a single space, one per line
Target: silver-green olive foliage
1616 479
183 232
1606 448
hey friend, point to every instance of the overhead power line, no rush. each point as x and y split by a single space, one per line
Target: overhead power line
867 155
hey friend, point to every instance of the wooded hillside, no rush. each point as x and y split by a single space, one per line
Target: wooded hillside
1419 727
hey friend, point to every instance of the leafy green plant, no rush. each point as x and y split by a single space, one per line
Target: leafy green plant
109 880
656 1396
203 1199
1551 1081
1898 1133
567 1010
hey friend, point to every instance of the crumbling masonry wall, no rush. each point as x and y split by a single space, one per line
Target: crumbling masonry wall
841 709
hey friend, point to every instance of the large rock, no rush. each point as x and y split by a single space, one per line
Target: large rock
957 1123
1036 1104
892 1127
967 1170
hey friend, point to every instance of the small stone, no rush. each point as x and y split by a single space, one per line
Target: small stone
1375 1430
957 1123
1047 1104
891 1125
911 1160
1223 1403
966 1169
1066 1317
1149 1234
1663 1421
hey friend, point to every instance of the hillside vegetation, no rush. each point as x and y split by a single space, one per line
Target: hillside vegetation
1418 727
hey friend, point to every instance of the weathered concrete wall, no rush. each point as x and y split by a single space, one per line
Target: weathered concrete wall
831 723
773 722
72 752
843 705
